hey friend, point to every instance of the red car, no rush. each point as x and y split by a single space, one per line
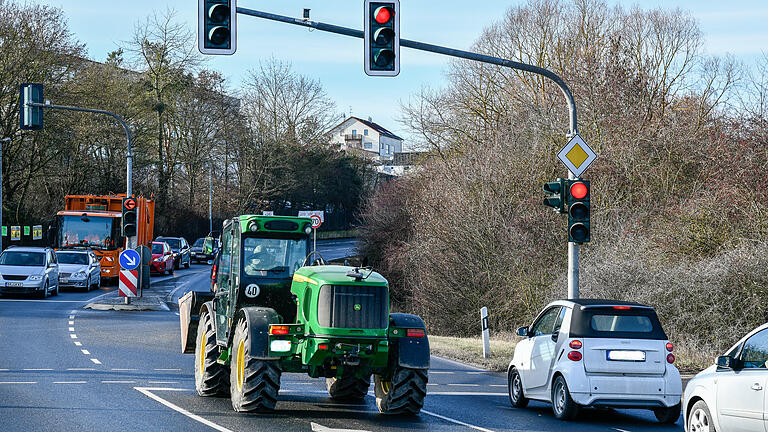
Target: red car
162 258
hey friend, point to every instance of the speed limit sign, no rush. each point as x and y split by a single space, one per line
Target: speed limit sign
316 221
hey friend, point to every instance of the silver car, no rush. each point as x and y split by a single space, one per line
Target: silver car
79 269
29 270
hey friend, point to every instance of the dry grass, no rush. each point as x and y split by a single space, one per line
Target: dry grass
470 350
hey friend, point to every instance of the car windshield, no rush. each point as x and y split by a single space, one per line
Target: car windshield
157 248
173 243
31 259
273 257
72 258
199 242
621 323
94 231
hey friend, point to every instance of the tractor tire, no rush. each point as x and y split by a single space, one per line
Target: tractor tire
253 383
348 389
404 394
211 378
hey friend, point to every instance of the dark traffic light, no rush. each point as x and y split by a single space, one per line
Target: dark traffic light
382 38
30 118
129 217
578 211
217 26
556 197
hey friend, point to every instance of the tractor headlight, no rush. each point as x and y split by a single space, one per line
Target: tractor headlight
308 229
253 226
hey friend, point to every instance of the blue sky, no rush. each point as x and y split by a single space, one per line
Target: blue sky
736 27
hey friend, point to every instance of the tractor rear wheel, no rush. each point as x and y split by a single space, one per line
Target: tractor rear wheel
253 383
403 393
348 388
211 378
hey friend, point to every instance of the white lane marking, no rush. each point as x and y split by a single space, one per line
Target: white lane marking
71 317
458 422
162 382
620 430
38 369
70 382
433 384
465 385
3 370
440 393
18 382
475 373
78 343
320 428
80 369
168 369
95 361
85 352
71 323
440 372
73 311
118 382
73 336
498 385
44 301
176 313
71 329
117 369
147 391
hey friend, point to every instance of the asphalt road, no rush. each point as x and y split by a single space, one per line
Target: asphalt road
338 248
65 368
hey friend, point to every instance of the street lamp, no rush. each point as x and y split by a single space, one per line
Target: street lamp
2 141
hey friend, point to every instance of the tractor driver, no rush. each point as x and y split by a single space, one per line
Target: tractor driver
259 261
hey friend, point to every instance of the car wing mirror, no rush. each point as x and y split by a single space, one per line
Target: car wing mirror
555 336
727 362
522 331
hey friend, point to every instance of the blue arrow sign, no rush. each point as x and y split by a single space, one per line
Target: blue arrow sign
129 259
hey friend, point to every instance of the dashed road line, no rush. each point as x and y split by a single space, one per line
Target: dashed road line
80 369
70 382
41 369
71 317
467 394
498 385
18 382
118 369
118 382
3 370
71 322
441 372
168 370
71 329
78 343
95 361
465 385
458 422
73 336
162 382
85 352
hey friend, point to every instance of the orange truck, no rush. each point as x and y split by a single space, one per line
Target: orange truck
94 221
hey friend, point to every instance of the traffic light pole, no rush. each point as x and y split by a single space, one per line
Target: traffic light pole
573 248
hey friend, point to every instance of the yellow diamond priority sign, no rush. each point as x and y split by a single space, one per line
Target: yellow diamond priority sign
577 155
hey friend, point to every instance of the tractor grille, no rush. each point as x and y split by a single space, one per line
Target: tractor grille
14 277
352 306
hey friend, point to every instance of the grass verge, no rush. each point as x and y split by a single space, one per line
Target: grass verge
470 351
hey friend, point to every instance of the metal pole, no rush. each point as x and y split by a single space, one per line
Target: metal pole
4 140
210 197
573 249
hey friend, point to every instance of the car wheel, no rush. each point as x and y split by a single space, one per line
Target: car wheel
700 420
88 285
515 387
177 265
188 263
56 291
562 405
667 415
170 272
44 294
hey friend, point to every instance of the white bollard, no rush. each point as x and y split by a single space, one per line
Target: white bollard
486 333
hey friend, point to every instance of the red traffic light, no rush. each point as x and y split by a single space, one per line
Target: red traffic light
383 15
579 190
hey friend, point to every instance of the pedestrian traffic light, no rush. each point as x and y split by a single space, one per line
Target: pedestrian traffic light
217 26
129 217
382 38
578 211
555 190
30 118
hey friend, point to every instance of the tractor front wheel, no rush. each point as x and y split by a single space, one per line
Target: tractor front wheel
403 393
211 378
348 388
253 383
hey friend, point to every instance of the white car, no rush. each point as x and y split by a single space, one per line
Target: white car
729 396
79 268
601 353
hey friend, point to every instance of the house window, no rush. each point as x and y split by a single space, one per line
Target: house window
354 132
368 145
365 132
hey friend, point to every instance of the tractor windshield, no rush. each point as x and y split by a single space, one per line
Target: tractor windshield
273 257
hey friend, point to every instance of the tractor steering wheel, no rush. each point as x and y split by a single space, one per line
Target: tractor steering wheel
319 259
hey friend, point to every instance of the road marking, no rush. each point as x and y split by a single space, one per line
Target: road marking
71 317
162 382
85 352
177 314
118 382
147 391
78 343
620 430
439 393
73 311
70 382
475 373
80 369
71 329
71 322
3 370
115 369
95 361
458 422
168 369
73 336
18 382
433 384
44 301
465 385
498 385
37 369
320 428
440 372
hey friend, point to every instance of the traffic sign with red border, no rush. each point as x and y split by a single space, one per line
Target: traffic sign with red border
129 203
316 221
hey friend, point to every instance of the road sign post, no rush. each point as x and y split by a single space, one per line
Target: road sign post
316 222
486 332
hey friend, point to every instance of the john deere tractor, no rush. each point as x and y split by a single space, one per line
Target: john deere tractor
279 308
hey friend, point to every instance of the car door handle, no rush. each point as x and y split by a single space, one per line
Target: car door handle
756 387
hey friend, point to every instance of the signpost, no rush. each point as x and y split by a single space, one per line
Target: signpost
316 222
486 332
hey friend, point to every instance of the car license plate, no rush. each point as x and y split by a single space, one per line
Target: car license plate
64 280
14 284
629 356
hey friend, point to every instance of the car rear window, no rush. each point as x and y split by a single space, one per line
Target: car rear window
607 322
621 323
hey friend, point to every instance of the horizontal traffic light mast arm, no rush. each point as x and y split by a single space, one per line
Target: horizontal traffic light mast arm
129 152
431 48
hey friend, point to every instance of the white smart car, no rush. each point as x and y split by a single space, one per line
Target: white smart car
590 352
730 395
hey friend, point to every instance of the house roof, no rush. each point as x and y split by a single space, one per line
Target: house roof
375 126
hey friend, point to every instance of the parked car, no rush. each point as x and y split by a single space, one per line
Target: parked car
79 269
592 352
29 270
730 395
204 249
162 261
182 255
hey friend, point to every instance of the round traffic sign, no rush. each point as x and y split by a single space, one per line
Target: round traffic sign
129 203
316 221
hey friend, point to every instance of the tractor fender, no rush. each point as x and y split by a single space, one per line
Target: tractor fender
258 320
408 352
191 306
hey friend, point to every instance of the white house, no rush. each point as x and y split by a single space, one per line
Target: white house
367 138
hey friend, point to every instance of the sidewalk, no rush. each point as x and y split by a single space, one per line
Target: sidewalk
153 298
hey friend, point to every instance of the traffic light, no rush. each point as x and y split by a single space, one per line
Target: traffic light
578 211
382 38
555 190
129 217
30 118
217 26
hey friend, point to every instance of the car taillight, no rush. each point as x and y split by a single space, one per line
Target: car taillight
670 358
414 333
622 307
670 347
278 329
574 355
575 344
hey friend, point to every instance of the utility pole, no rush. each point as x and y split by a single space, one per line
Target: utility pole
210 196
2 141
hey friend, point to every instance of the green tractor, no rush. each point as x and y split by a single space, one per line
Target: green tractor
272 313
